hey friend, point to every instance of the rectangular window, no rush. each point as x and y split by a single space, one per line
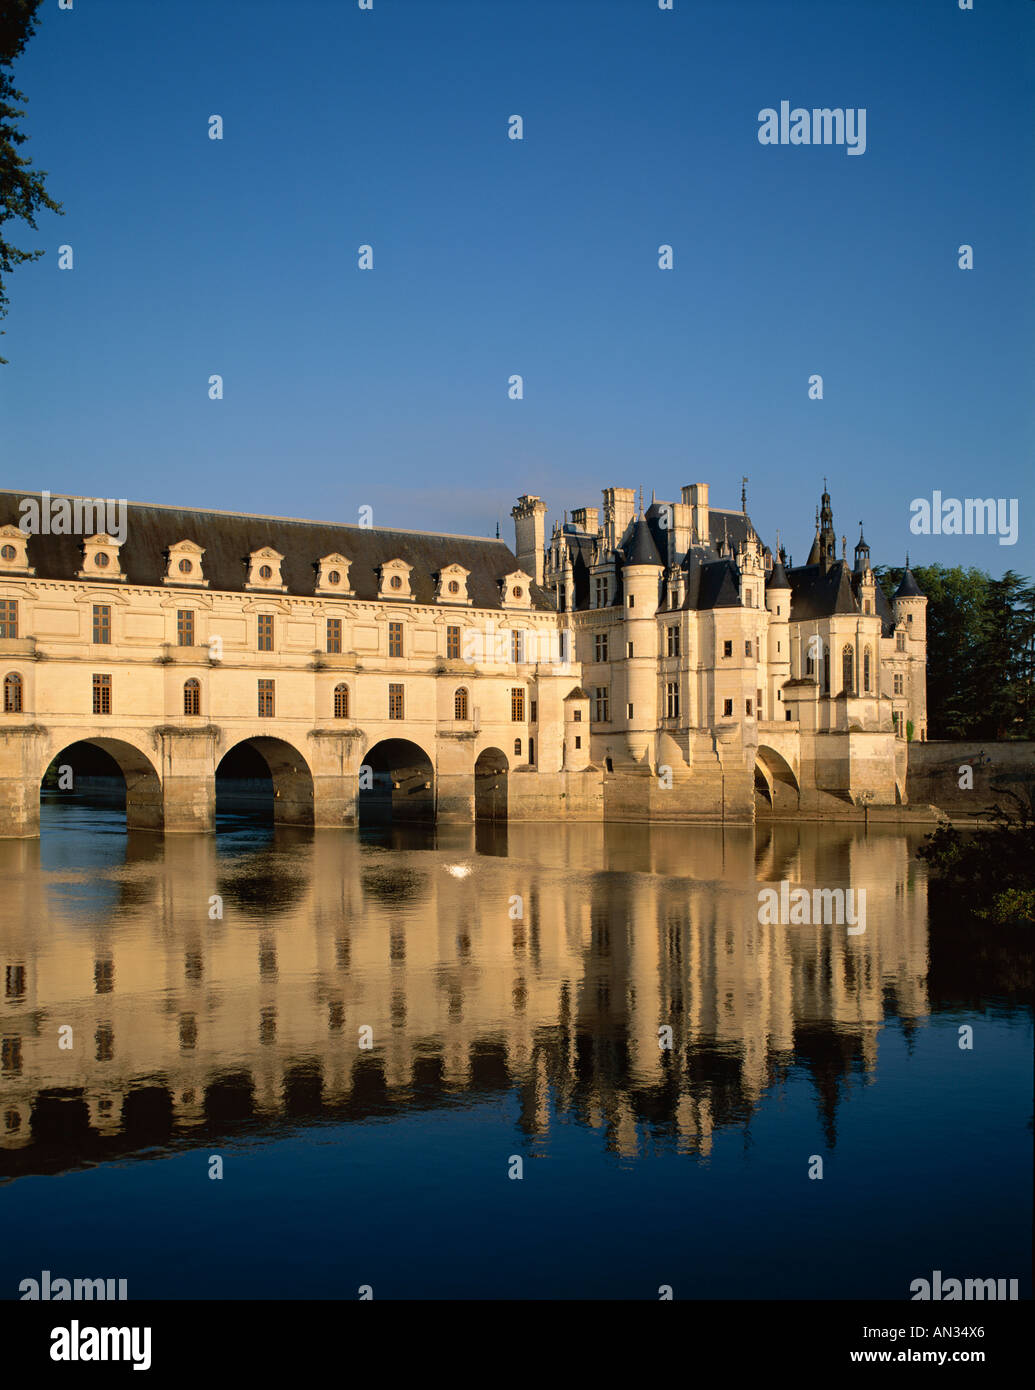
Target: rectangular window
672 700
576 716
602 700
185 627
629 710
266 702
673 641
747 707
102 694
452 644
747 649
727 648
900 641
102 623
265 632
578 741
334 634
517 646
630 652
395 639
758 702
533 713
632 600
757 650
396 708
727 708
562 647
517 705
600 646
8 617
898 685
600 591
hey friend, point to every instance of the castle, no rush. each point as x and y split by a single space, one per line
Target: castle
662 664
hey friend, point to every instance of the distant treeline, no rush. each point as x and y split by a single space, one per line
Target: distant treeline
980 634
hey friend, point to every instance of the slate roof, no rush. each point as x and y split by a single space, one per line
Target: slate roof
908 587
641 547
229 537
819 593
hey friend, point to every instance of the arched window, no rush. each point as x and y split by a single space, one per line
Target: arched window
517 748
192 696
847 663
866 671
460 704
13 693
341 702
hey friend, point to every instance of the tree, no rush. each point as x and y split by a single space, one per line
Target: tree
22 191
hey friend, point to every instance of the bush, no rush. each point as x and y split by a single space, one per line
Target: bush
990 872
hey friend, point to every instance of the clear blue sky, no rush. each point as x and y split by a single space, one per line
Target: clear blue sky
492 257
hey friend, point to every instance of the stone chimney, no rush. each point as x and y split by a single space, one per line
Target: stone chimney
587 519
530 534
696 495
619 504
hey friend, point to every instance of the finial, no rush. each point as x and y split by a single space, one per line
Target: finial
743 494
844 547
497 530
825 484
778 540
817 518
641 499
907 559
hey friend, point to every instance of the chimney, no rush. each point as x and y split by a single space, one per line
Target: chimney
696 495
587 519
530 534
619 503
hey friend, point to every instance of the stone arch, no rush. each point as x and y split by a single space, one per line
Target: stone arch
396 783
491 774
144 809
290 793
776 786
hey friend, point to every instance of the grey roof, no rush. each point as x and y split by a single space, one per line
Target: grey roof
819 593
778 577
641 549
229 537
908 588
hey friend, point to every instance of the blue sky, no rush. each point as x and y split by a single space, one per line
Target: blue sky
388 387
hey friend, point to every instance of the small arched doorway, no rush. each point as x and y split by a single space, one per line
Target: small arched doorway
264 779
396 784
105 774
490 785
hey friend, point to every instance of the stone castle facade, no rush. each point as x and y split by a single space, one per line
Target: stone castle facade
660 665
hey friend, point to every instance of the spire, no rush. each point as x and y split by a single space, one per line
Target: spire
743 495
641 499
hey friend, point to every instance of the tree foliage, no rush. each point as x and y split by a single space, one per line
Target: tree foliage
22 190
980 632
991 871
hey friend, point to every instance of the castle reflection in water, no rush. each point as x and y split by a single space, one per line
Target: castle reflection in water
185 1028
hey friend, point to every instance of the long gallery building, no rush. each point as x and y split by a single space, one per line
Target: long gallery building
656 663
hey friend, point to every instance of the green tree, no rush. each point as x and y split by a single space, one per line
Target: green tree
22 191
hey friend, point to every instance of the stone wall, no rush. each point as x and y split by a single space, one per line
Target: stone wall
934 776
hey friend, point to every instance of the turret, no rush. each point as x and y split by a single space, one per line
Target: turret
778 602
530 534
641 579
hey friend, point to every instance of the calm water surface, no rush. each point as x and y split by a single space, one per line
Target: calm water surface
513 983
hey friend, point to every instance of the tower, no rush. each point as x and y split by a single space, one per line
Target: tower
530 534
641 580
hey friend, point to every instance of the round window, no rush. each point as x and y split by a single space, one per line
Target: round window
518 593
101 560
454 587
334 577
186 566
8 552
396 582
265 572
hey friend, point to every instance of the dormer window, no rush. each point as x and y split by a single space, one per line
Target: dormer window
452 585
332 575
101 558
515 589
184 565
395 579
264 570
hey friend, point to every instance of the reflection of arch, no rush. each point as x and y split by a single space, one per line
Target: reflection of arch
490 785
266 774
109 757
776 786
397 783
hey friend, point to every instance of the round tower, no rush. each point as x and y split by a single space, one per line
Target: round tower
909 605
778 603
641 581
